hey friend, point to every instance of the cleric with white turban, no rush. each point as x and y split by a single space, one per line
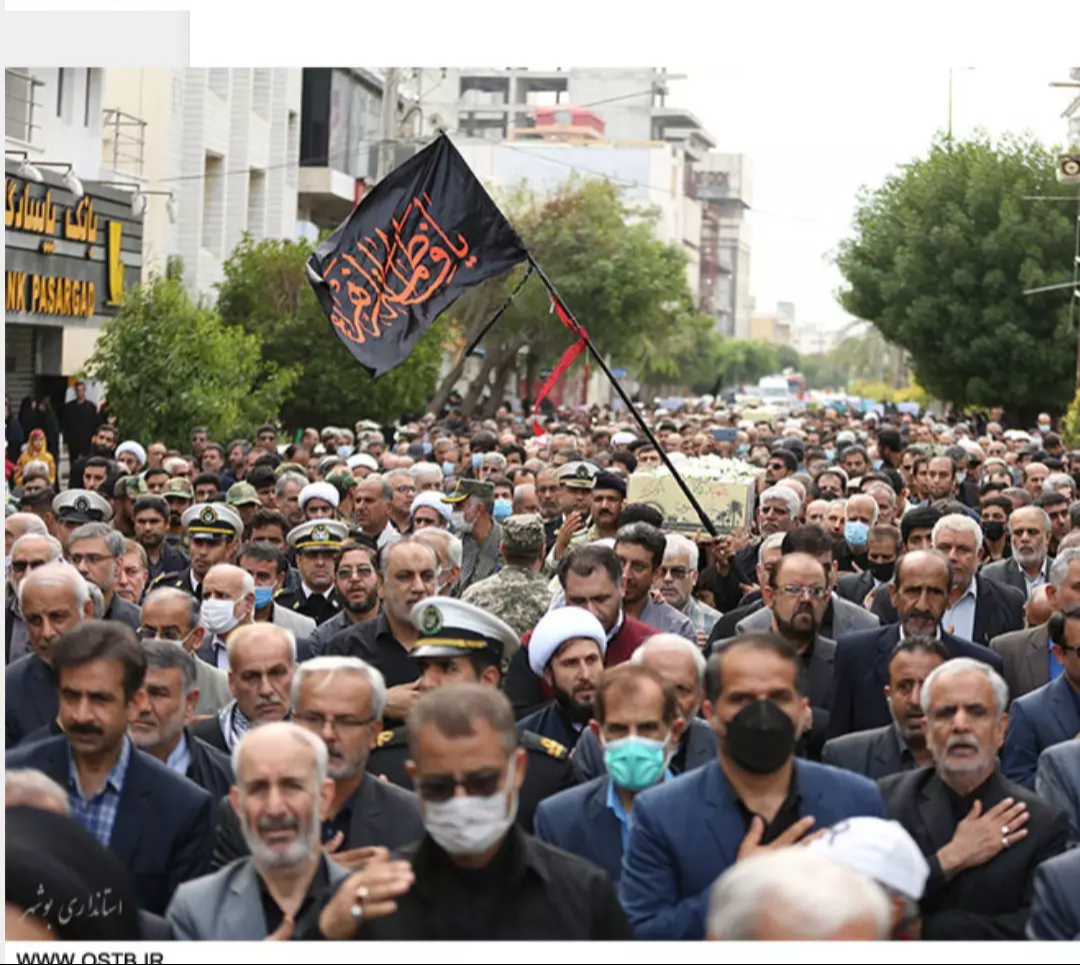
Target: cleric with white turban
559 627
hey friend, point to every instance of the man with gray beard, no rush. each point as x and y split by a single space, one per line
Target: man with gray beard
282 790
1029 568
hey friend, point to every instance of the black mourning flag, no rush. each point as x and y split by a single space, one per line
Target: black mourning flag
425 233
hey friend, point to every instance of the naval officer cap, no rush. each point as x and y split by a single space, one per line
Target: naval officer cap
318 534
82 506
452 628
212 521
577 475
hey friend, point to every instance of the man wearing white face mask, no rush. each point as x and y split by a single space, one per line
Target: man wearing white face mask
228 602
474 876
637 721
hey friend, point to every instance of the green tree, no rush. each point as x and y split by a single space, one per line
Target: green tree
627 289
938 262
266 292
169 364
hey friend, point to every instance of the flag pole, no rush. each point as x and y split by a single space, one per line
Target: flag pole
702 515
499 314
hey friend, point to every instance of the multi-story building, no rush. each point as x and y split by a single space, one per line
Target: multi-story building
1072 112
72 239
225 143
776 328
501 105
340 129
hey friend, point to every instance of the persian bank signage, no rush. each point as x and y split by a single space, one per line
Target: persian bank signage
67 259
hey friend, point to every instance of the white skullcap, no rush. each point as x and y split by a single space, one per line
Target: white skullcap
623 438
134 448
845 436
363 459
556 627
434 501
881 850
319 490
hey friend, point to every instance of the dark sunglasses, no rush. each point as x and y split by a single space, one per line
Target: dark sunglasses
477 784
20 566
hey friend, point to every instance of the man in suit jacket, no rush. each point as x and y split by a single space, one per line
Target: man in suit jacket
920 590
967 818
1057 780
157 822
638 720
173 615
1029 566
53 599
1030 658
287 873
1055 902
688 832
681 664
95 550
1041 719
159 729
901 745
262 660
341 701
797 617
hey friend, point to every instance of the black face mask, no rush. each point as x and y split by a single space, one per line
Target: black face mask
882 572
760 738
993 531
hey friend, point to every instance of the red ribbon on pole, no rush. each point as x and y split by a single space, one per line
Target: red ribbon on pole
568 359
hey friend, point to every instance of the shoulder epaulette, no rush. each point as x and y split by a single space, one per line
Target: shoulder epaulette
388 737
534 742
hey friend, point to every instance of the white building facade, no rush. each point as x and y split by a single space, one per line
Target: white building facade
225 143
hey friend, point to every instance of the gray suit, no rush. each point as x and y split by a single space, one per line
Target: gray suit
1009 572
846 616
665 618
873 753
226 905
1055 904
299 625
213 688
1026 654
1057 779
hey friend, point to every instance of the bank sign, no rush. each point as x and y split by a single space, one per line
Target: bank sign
68 260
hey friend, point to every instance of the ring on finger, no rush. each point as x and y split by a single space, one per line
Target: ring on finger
1004 842
1005 831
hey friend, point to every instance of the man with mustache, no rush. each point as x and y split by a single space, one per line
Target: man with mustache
982 835
641 548
341 700
920 590
151 515
262 659
1029 566
608 497
901 745
282 791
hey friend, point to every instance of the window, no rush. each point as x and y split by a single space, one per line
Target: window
19 88
60 92
218 81
293 148
89 89
256 213
262 91
213 214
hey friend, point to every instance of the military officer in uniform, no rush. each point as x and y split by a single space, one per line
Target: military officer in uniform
576 482
179 494
317 544
460 643
75 507
213 532
473 503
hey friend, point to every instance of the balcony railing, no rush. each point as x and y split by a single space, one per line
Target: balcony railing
123 142
20 105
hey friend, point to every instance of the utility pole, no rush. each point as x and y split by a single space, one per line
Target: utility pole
388 134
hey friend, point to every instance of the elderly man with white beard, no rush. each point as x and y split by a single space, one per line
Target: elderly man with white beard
282 791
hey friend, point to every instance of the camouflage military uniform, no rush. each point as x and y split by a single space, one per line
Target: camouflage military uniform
515 595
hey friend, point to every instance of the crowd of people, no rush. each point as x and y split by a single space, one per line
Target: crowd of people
445 680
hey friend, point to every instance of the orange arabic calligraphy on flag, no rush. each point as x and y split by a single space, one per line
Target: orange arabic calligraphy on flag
387 274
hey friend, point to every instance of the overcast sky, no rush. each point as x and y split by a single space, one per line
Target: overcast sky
815 137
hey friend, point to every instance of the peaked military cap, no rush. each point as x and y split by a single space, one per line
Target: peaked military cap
578 475
319 534
471 487
452 628
82 506
212 521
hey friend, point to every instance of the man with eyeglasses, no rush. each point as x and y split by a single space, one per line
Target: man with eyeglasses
474 875
357 586
27 553
95 551
678 577
797 596
173 615
341 700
